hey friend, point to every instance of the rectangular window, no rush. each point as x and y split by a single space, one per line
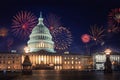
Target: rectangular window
3 62
13 62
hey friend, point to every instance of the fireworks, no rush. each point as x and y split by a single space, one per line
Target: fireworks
52 21
114 20
85 38
23 23
62 38
97 33
3 32
113 29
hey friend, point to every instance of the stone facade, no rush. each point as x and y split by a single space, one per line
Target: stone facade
45 60
10 61
100 58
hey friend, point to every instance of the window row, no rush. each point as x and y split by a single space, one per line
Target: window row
71 58
9 57
72 62
8 62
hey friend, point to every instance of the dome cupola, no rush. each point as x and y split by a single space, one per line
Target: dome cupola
40 38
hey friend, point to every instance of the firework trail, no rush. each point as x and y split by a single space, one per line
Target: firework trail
9 43
85 39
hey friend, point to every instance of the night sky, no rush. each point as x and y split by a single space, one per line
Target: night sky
78 16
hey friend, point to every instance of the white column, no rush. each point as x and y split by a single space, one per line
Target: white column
54 59
33 59
39 59
36 60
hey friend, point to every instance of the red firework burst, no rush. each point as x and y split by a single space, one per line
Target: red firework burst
114 20
23 23
85 38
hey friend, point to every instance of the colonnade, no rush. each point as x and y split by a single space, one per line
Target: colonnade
38 59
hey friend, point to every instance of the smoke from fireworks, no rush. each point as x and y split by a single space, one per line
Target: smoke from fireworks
114 20
23 23
3 32
97 33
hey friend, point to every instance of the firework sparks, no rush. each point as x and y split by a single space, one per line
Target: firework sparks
62 38
113 28
97 33
114 20
23 23
52 21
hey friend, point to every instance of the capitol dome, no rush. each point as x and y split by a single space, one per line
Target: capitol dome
40 38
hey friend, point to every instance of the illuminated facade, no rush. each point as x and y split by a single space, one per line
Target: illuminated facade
10 61
99 60
77 62
46 60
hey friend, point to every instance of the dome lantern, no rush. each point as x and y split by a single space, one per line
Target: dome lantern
40 19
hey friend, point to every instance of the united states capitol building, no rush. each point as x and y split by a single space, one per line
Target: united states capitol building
43 56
